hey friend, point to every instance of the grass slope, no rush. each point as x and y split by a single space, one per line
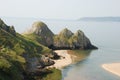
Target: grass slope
12 48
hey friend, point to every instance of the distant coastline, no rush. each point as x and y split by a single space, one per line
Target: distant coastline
100 19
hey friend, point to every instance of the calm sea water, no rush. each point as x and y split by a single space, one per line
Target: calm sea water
105 35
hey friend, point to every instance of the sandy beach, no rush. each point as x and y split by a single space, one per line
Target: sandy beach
113 68
64 61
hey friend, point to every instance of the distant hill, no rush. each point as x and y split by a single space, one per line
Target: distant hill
113 19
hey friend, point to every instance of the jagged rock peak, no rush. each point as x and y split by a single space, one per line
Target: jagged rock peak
66 33
6 28
79 33
39 28
39 24
67 40
1 22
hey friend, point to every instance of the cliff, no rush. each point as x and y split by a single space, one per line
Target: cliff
21 58
64 40
6 28
68 40
25 57
40 33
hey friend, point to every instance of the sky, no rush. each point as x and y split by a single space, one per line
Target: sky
59 9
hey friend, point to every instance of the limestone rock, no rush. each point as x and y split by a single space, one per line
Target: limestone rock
65 33
67 40
40 29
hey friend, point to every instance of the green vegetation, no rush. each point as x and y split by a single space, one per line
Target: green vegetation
54 75
37 40
39 32
68 37
17 51
13 46
11 65
63 39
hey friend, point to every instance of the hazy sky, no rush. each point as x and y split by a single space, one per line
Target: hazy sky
59 9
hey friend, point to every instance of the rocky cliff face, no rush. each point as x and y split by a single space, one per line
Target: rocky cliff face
41 30
22 57
6 28
64 40
19 56
68 40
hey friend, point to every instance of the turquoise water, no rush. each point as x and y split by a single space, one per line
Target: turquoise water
105 35
90 68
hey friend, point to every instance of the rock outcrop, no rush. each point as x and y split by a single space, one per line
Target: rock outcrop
41 30
68 40
6 28
34 64
21 57
64 40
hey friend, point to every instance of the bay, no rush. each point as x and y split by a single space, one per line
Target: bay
104 35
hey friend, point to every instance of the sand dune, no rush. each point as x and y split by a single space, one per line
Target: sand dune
113 68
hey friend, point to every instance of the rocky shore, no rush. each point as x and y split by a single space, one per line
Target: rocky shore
65 59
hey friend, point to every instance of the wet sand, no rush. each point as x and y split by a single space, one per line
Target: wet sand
113 68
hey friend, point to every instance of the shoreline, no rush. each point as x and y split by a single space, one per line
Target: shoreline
65 59
113 68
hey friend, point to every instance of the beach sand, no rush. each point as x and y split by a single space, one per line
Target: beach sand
64 61
113 68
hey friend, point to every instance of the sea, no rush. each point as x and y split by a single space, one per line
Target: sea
104 35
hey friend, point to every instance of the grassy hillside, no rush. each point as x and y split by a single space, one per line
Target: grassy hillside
12 49
55 74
